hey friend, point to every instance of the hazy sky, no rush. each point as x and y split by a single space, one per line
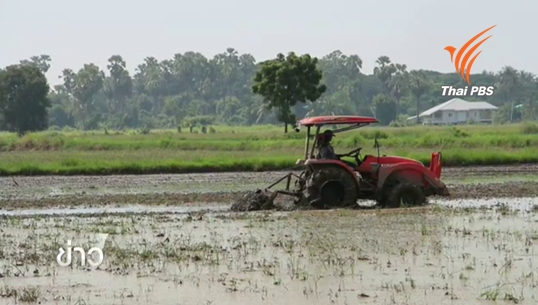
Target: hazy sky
413 32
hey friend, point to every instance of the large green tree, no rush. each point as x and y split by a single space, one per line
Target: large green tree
286 80
83 87
42 62
119 85
23 98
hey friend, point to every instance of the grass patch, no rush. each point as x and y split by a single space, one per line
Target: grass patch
152 161
271 137
250 148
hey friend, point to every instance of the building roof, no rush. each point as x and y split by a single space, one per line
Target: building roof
457 104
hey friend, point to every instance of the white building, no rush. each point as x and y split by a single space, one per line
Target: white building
457 111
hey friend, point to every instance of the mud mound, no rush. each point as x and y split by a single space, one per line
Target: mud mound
253 201
260 200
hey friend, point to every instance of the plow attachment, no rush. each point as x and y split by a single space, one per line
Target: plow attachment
264 199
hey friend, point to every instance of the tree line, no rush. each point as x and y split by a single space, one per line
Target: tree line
231 88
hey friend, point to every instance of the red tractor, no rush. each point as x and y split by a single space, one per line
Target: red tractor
329 183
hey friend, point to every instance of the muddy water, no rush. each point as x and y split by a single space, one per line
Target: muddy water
169 242
138 209
35 187
315 257
224 188
528 204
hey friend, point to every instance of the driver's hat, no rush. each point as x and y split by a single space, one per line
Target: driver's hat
329 132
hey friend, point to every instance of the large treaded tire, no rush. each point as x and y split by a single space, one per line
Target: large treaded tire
405 194
312 192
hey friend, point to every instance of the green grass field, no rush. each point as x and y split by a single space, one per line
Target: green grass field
226 148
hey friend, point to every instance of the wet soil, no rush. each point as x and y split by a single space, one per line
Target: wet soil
224 188
171 239
415 256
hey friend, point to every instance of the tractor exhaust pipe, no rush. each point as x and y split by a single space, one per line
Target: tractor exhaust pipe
436 165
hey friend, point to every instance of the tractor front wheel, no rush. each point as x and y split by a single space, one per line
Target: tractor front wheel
405 195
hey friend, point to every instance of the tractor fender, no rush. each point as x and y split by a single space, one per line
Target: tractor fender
316 163
414 173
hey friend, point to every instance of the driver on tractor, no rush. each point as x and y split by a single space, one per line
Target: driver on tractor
326 151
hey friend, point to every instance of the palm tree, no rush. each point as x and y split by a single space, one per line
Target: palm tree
336 104
509 84
419 85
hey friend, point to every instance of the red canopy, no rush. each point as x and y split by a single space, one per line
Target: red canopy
337 119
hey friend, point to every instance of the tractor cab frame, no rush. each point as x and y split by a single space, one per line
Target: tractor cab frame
317 123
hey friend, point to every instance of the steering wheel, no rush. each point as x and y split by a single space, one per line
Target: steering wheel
355 154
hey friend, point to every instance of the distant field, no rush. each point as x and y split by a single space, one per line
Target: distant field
225 148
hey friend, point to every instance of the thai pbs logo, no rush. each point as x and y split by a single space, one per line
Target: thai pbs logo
93 256
463 64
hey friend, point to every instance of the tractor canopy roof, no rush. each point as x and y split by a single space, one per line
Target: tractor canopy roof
337 120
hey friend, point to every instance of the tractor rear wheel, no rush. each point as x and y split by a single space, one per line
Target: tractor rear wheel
405 194
331 187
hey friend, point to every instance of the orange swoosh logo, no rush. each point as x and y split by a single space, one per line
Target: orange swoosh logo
463 65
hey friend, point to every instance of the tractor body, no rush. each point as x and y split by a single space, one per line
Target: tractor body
391 181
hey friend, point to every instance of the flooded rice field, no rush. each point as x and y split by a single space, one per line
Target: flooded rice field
170 239
223 188
414 256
